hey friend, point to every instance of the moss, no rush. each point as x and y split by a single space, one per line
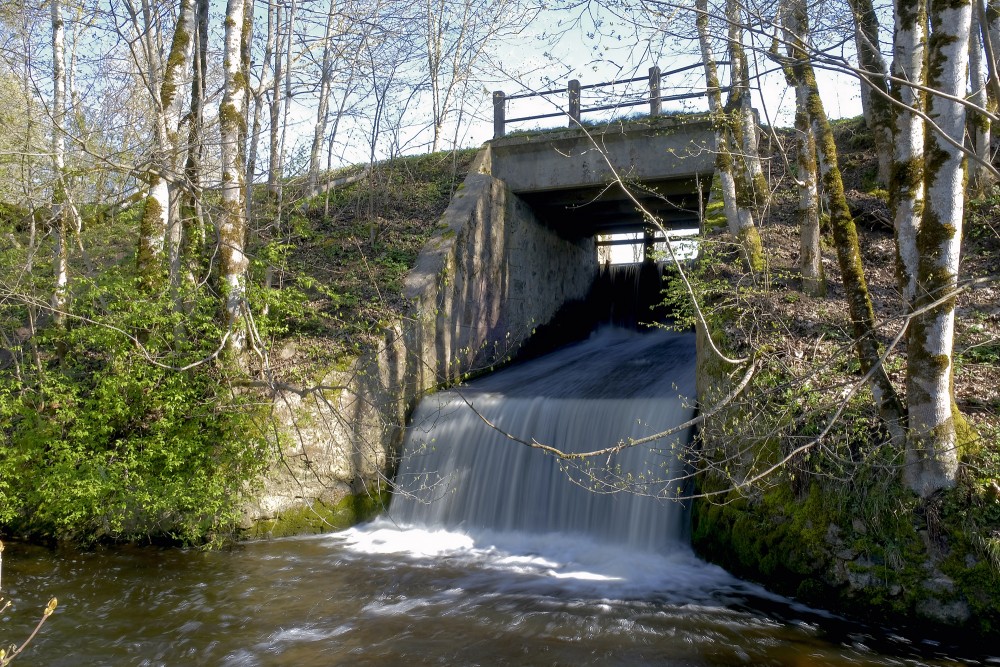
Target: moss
319 517
175 60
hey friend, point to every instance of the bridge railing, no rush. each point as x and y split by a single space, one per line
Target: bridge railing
574 110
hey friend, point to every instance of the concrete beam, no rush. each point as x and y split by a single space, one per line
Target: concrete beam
646 149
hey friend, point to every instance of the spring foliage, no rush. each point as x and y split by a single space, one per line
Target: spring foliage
105 439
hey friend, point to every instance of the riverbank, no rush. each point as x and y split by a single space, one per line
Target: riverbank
831 524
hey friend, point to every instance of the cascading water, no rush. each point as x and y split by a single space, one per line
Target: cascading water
461 470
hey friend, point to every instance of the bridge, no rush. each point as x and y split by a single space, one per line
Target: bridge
570 178
519 240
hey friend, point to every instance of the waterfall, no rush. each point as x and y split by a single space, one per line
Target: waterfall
460 473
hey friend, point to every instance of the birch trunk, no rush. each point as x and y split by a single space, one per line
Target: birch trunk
979 123
932 445
60 208
907 179
192 216
233 261
991 33
810 254
175 78
749 174
738 209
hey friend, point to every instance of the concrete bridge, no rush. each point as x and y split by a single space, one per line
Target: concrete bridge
568 177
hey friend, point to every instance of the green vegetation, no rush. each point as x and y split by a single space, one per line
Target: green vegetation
833 525
128 425
105 439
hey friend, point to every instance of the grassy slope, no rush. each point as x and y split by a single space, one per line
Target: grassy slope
346 256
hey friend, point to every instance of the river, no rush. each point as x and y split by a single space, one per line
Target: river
492 553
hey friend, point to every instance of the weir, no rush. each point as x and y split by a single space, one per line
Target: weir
462 469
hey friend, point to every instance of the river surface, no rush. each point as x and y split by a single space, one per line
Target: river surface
493 553
383 596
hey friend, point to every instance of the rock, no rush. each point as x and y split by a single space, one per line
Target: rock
859 527
954 612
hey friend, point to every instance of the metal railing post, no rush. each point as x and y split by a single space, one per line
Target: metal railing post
574 102
499 113
654 91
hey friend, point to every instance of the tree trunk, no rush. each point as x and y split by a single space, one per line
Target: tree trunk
192 216
270 46
991 29
979 123
178 66
737 206
323 112
274 157
845 235
810 254
878 111
932 451
907 181
233 261
743 122
60 208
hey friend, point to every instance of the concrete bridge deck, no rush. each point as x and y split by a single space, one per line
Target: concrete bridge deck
566 176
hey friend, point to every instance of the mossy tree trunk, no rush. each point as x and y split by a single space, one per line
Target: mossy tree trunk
232 219
932 443
979 123
810 254
874 90
192 216
991 31
160 226
743 122
176 75
738 206
845 235
907 182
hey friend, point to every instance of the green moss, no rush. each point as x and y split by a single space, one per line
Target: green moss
318 517
176 58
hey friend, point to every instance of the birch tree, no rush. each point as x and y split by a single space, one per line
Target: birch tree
742 120
192 215
232 221
737 199
875 104
60 204
979 123
845 235
907 191
810 255
932 445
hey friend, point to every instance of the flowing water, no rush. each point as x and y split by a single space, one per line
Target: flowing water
492 554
